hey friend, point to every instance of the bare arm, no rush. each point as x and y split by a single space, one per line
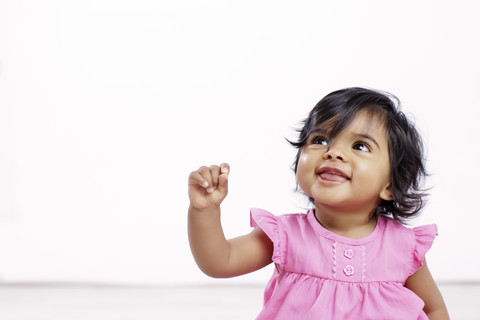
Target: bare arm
215 255
422 283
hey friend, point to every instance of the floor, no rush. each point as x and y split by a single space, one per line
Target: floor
94 302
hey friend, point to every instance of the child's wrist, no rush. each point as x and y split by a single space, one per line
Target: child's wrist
204 210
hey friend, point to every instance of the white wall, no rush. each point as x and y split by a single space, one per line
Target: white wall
106 106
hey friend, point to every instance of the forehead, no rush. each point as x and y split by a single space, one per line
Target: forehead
363 122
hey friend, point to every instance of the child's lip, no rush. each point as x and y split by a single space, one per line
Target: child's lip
332 171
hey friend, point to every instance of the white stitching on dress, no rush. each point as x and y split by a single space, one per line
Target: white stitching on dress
334 251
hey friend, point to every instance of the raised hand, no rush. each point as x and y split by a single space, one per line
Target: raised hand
208 186
214 254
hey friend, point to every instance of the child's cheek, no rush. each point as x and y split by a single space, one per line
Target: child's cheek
305 172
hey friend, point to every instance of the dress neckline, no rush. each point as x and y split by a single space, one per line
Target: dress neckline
332 235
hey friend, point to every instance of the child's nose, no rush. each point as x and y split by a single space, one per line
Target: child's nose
334 153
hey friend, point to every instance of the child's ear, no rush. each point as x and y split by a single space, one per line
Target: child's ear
387 193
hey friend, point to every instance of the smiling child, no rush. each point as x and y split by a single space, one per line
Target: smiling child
360 162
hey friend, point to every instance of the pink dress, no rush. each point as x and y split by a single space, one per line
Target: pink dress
322 275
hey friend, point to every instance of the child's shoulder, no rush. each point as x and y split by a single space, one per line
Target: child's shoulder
393 224
416 237
259 216
390 223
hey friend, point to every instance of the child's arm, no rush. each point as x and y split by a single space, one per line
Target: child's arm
422 283
215 255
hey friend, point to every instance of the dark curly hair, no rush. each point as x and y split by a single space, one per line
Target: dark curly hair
407 164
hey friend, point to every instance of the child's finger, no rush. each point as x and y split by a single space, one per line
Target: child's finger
209 178
224 171
215 173
225 168
205 178
223 182
196 178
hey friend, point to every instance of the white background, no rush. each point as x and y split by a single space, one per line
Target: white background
106 107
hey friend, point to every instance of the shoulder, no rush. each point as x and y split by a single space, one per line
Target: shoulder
396 236
395 227
281 229
414 241
261 213
261 217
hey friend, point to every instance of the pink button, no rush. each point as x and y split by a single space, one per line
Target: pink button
349 270
349 253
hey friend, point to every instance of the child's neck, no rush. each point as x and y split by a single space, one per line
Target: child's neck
354 225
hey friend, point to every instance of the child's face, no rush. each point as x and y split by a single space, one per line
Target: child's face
351 172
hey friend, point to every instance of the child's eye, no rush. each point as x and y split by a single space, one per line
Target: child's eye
320 140
361 146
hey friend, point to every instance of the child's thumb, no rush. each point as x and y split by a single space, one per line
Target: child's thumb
223 180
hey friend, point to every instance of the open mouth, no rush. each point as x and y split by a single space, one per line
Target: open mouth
332 175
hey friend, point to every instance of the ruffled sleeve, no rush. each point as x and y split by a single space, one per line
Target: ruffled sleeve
270 225
423 240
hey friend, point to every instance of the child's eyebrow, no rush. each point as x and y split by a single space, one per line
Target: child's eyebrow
367 137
